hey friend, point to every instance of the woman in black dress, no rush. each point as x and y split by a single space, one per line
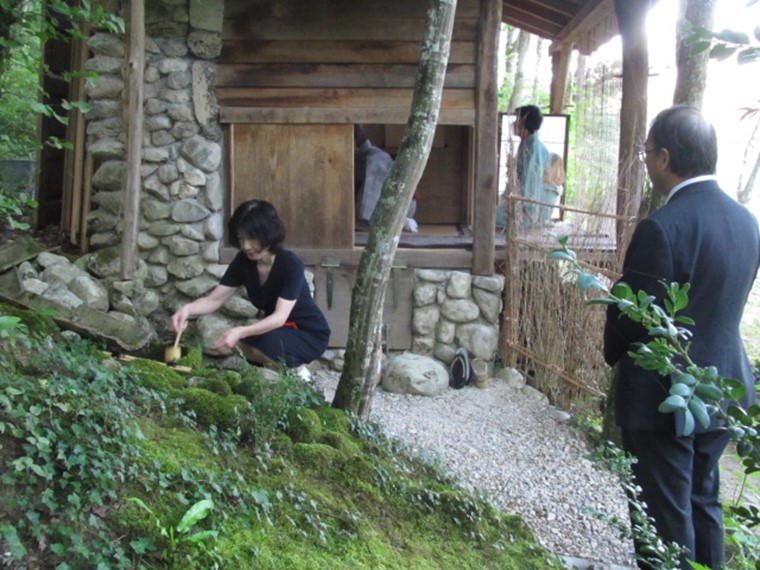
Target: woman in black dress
293 330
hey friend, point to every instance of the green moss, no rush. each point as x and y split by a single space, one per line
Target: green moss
340 441
232 378
193 358
317 455
155 375
248 387
334 419
217 386
213 409
304 425
173 447
40 322
282 441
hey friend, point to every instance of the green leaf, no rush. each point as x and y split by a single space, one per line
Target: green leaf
733 389
139 502
709 392
683 378
678 389
700 46
697 407
197 512
732 36
722 52
602 301
560 254
711 373
589 281
748 55
12 541
561 238
626 305
623 291
201 536
688 423
681 296
672 404
142 545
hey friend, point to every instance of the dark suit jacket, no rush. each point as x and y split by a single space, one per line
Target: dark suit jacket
702 237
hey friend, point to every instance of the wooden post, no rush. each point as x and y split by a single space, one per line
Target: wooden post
631 15
560 67
134 138
486 139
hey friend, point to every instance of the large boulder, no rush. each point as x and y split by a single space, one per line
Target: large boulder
410 373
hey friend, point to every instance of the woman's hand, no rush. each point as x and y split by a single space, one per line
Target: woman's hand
228 341
203 306
180 318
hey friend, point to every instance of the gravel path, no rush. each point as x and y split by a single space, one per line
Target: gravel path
515 449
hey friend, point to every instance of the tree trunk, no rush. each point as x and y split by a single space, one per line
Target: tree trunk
510 51
745 189
523 43
745 194
691 75
361 370
580 78
539 58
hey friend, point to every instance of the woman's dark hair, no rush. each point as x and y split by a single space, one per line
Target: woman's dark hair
531 115
689 138
259 220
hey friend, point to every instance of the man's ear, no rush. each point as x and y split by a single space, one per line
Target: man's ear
663 158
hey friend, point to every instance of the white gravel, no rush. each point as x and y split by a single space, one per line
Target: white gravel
515 449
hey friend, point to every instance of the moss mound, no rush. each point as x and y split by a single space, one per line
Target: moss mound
212 409
304 425
119 467
216 385
155 375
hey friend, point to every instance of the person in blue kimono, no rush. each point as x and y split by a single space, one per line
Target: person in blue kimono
532 159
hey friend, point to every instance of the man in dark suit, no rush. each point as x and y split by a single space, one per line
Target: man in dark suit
703 237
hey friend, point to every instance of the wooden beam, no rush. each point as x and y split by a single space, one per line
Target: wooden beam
586 19
134 138
530 22
307 115
321 98
486 139
246 51
338 76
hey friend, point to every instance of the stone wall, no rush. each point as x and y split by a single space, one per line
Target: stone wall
454 309
181 227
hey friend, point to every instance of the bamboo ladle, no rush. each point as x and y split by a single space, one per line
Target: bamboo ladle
173 353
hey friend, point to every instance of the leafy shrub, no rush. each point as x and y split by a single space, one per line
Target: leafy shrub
14 208
70 453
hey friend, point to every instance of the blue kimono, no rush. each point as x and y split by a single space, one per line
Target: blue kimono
532 158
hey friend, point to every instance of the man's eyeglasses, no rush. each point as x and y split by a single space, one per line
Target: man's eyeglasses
644 151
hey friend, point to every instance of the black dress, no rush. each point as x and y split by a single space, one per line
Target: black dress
305 336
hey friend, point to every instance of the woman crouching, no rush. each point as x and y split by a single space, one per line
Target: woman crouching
293 331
